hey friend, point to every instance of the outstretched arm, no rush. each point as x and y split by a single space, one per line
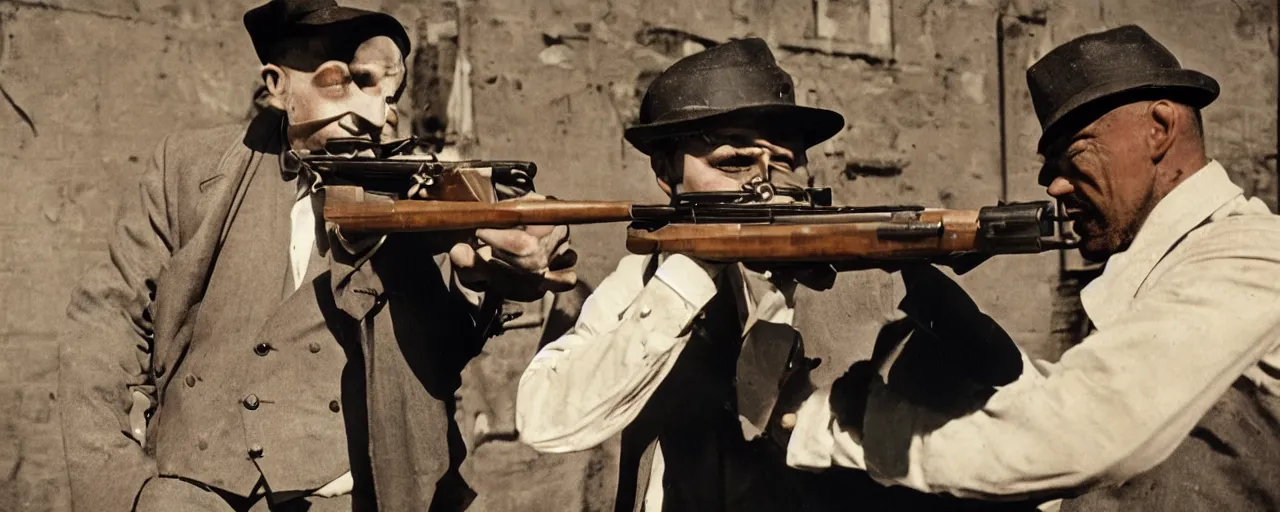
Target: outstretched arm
1111 408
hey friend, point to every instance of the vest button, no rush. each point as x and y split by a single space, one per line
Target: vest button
251 402
333 406
255 451
314 347
191 381
262 349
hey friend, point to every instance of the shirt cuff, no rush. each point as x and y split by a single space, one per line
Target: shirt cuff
690 279
811 441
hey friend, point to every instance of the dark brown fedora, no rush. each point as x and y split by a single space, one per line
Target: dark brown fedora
315 31
1120 64
736 82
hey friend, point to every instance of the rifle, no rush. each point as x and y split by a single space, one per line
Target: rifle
389 191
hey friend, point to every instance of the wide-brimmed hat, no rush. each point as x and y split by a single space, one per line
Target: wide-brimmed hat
735 83
1124 63
316 31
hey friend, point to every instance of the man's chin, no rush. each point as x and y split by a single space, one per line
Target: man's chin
1094 249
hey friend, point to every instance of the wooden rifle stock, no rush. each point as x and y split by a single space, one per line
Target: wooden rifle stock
936 233
750 233
422 216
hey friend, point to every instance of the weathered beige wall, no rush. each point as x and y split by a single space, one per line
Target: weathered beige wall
555 81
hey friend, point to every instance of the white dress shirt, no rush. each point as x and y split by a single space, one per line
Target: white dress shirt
302 232
587 386
1186 310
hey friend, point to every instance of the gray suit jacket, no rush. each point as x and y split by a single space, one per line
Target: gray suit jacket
131 321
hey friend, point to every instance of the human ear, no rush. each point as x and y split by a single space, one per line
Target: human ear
1165 121
277 83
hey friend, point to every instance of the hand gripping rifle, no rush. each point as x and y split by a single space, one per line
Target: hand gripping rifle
387 190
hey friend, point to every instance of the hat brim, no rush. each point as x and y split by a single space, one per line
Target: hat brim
1192 88
814 125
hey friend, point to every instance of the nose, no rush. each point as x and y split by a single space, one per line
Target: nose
370 113
1060 187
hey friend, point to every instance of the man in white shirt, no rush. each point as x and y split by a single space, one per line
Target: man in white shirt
654 320
684 357
1182 371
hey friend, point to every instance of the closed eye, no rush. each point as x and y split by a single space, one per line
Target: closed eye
333 76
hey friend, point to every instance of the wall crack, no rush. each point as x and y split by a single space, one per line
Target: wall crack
30 4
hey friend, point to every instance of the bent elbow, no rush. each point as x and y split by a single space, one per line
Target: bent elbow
549 437
541 424
1116 470
544 442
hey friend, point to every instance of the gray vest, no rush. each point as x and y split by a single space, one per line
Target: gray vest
258 393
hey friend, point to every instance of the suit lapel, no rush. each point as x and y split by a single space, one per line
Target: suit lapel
185 278
244 286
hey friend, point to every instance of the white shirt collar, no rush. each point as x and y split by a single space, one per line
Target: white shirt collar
1186 207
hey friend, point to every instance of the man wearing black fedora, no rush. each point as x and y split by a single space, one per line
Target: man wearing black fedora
1173 401
684 357
281 366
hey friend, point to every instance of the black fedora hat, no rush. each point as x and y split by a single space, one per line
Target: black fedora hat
1123 63
316 31
738 81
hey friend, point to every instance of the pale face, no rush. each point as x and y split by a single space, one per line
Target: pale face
725 160
340 99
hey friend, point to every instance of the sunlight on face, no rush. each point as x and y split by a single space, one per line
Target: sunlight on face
344 99
1104 180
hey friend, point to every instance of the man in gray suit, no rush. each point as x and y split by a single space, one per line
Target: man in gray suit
282 366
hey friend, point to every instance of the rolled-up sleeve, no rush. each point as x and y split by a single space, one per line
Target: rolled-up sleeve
1111 408
588 385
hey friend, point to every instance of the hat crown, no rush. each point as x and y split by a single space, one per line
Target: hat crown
731 75
1111 65
317 29
294 10
1115 54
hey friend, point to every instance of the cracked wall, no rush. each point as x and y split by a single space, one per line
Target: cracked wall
932 91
